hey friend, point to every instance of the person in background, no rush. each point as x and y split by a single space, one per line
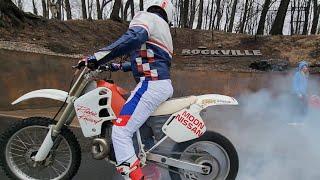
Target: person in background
300 88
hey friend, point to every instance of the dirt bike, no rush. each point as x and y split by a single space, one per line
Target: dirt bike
41 148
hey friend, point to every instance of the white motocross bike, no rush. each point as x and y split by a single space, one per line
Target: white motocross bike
42 148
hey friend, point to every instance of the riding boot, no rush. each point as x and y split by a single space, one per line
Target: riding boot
131 169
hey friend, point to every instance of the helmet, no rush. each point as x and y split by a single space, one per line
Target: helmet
166 5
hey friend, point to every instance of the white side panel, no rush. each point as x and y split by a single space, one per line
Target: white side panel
207 100
184 126
43 93
89 110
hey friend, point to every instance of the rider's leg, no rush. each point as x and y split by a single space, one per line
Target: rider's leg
145 99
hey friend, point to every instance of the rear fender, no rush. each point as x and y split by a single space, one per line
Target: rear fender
43 93
208 100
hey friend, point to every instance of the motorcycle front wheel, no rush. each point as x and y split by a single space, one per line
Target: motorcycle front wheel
211 149
21 142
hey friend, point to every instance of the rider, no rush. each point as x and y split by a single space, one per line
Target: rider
148 41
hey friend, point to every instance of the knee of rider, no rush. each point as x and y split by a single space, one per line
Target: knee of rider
119 133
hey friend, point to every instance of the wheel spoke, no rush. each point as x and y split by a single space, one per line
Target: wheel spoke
28 136
21 150
17 155
61 164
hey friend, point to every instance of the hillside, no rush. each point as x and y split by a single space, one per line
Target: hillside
77 37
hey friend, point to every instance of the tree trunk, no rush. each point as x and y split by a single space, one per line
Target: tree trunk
58 5
141 5
115 11
298 21
291 19
44 8
211 13
244 18
185 13
35 10
219 12
263 16
206 19
132 9
125 12
316 12
277 26
233 13
68 9
192 13
306 19
84 9
99 13
215 14
200 14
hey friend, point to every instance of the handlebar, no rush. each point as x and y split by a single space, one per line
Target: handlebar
101 67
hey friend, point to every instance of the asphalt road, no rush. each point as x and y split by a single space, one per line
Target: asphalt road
90 169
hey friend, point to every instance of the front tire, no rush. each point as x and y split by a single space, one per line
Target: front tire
221 156
22 140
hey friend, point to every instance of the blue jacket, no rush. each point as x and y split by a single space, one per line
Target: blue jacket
300 80
149 43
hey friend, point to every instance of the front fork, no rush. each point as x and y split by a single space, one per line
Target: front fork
52 140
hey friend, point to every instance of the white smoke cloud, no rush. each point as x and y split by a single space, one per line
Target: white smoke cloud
268 147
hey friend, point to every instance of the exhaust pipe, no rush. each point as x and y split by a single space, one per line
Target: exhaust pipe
100 148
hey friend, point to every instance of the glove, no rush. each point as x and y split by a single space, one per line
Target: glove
92 63
115 67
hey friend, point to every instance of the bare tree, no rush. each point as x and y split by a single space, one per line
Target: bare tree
263 16
278 23
90 8
207 13
233 13
116 10
192 13
299 16
100 7
217 13
244 17
200 14
35 10
185 13
306 18
84 9
141 5
130 4
45 10
316 12
68 9
211 15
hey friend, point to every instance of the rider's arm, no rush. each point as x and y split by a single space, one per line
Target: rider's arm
139 32
128 42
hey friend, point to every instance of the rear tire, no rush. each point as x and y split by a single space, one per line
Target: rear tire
217 140
13 172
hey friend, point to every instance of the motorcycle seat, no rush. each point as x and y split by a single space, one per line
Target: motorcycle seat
174 105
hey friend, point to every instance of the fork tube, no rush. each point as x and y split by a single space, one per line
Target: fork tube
69 112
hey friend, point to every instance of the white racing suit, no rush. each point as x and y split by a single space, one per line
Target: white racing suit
150 44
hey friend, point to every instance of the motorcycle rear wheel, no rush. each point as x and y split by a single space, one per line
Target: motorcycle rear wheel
217 152
22 140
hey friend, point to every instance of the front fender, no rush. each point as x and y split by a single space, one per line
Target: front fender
207 100
43 93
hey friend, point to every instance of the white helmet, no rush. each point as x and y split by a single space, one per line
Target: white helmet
166 5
